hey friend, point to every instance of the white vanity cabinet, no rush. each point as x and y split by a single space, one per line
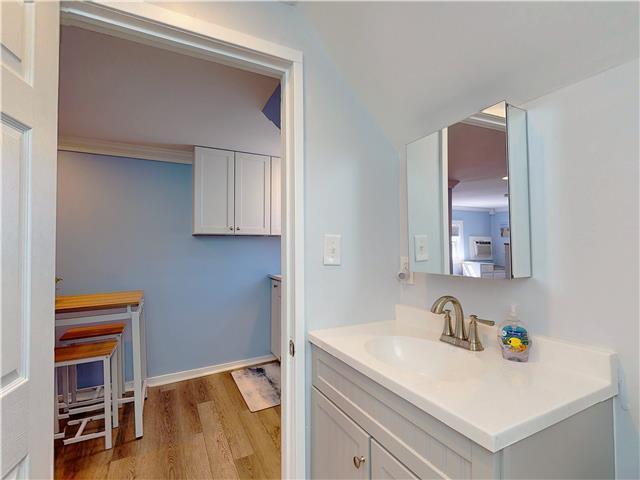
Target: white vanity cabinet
343 447
385 466
347 451
348 408
276 317
233 194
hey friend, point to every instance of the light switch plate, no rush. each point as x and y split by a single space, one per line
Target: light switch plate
332 249
421 248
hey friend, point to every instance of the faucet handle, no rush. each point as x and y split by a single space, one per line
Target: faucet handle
447 329
475 345
474 318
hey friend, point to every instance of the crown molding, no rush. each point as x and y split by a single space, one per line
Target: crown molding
158 153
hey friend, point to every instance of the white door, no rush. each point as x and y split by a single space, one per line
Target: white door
385 466
339 447
213 191
27 236
252 194
276 196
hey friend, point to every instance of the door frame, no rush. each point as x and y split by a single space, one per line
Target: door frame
164 28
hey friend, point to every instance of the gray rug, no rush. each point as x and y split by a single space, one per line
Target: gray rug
259 386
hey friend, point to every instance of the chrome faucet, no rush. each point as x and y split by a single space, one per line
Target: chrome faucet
459 336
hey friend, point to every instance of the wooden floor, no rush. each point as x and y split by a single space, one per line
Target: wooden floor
197 429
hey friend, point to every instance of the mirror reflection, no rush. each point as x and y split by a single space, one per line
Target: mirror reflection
478 195
459 189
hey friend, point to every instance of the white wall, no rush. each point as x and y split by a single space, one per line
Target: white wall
351 175
147 94
584 218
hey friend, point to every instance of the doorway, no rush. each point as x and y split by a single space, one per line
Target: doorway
154 25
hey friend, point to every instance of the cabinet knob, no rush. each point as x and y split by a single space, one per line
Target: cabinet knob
237 228
231 228
357 461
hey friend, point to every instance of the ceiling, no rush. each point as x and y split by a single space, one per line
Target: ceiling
477 159
122 91
418 66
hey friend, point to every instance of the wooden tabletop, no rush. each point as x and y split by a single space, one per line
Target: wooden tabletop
97 301
85 350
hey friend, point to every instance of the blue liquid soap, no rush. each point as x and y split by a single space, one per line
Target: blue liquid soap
513 338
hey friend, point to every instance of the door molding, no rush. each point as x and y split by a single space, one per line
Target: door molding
157 26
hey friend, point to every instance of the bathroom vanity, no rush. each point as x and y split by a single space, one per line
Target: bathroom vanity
391 401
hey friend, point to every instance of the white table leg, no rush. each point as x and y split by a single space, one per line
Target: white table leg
73 383
65 385
115 387
143 347
137 370
121 370
106 370
56 409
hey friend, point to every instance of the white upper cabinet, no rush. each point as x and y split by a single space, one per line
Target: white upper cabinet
213 191
276 196
232 193
252 194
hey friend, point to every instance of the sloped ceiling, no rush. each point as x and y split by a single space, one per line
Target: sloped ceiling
118 90
419 66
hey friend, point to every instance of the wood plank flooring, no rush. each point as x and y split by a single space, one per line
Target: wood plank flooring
196 429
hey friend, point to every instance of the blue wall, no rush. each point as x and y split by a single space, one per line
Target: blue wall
482 223
498 220
474 224
125 224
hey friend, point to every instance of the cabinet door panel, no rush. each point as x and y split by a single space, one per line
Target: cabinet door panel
335 441
213 191
276 196
385 466
252 194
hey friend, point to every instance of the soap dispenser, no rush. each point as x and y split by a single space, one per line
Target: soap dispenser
513 338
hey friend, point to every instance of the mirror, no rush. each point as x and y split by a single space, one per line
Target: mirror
468 197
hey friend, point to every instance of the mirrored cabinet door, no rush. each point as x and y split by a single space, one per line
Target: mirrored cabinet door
468 197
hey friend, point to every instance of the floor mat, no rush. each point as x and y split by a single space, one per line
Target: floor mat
259 386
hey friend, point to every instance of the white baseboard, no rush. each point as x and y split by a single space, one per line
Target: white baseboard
201 372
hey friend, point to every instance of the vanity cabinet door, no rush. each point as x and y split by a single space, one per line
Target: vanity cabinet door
339 447
385 466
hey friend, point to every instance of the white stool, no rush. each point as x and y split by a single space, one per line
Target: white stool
73 355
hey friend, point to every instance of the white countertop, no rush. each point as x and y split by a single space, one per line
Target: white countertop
492 401
274 276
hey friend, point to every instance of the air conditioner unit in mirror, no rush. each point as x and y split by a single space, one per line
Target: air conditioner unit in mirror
480 248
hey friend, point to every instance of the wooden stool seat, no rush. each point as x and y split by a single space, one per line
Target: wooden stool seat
107 353
83 351
79 333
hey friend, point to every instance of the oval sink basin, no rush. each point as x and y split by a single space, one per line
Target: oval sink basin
434 360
